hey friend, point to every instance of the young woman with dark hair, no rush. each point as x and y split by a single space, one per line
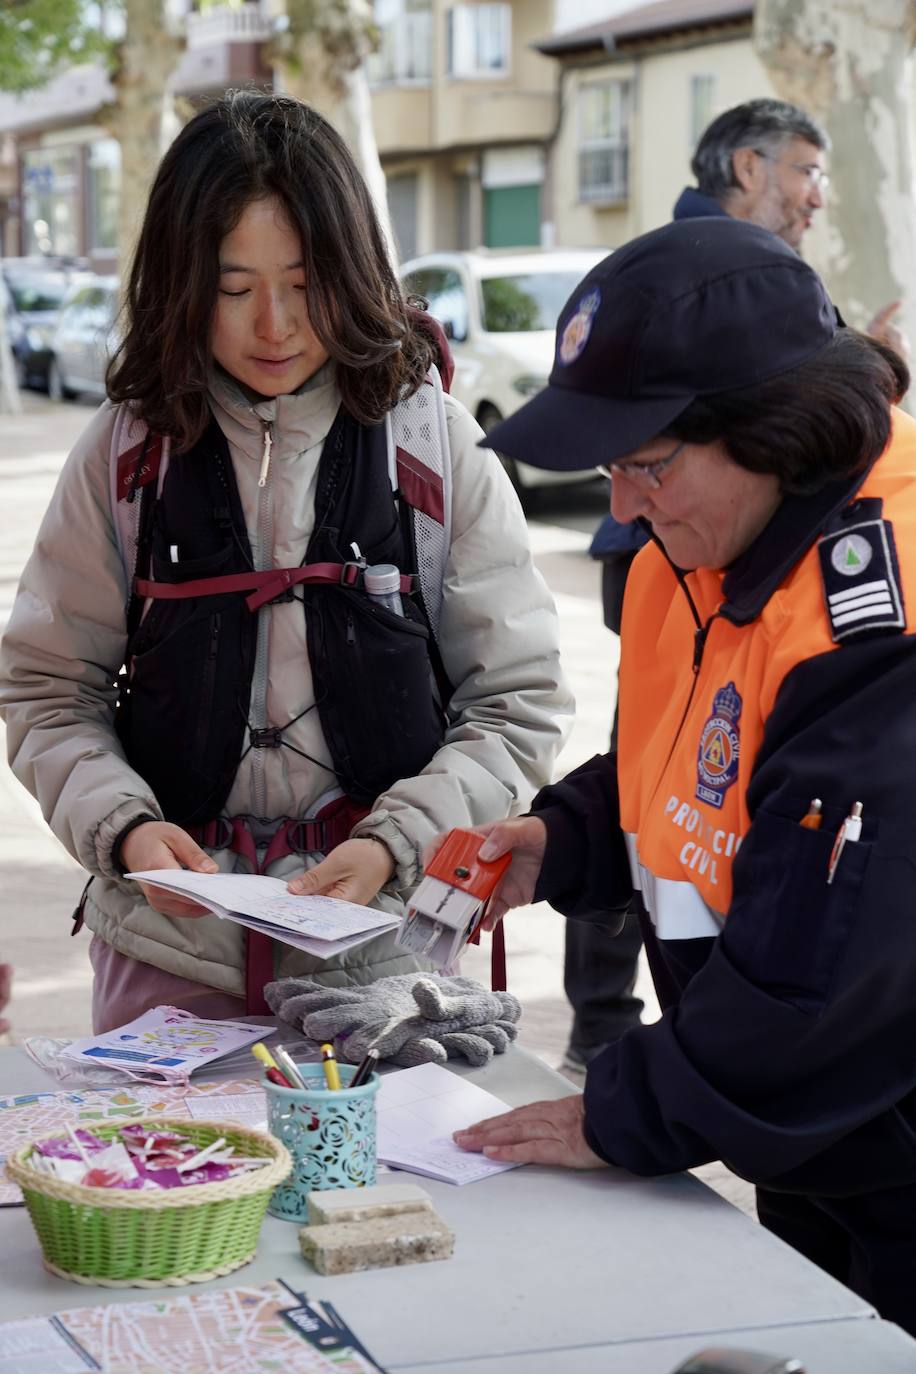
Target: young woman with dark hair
245 151
271 717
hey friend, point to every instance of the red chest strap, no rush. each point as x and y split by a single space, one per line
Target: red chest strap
263 586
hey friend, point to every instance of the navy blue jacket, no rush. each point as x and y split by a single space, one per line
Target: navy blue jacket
807 1095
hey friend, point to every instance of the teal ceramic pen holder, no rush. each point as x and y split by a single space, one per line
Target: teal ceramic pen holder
330 1136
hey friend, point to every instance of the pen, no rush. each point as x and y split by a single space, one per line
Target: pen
262 1053
812 820
331 1071
365 1069
276 1076
288 1068
848 833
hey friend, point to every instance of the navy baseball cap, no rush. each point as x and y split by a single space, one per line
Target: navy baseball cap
698 307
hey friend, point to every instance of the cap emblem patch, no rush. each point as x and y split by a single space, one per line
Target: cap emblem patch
578 328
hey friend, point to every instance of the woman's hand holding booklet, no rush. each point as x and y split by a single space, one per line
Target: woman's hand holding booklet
318 924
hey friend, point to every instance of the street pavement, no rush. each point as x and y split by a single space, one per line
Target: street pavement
41 883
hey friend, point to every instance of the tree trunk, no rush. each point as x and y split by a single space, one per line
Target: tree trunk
848 62
142 117
322 57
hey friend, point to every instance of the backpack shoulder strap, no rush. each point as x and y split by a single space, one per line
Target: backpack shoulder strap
420 467
137 464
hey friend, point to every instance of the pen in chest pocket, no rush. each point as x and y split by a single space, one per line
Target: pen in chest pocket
848 833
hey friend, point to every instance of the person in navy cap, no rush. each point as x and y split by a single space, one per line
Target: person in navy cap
763 162
760 811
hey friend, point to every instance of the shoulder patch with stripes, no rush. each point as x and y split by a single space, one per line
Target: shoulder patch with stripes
861 580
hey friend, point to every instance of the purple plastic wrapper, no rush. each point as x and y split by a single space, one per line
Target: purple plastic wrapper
110 1178
62 1147
208 1173
171 1178
157 1169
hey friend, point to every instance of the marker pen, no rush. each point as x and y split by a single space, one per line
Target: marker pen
331 1071
365 1069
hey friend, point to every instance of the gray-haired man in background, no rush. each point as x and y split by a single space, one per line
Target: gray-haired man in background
764 161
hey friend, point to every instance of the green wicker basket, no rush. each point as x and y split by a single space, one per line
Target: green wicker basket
155 1237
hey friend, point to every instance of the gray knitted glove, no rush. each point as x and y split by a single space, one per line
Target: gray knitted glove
410 1018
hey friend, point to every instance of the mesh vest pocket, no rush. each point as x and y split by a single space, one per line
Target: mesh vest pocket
378 705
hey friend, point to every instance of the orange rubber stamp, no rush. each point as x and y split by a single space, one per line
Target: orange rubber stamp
451 901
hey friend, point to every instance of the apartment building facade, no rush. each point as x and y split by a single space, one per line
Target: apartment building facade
634 93
464 107
492 128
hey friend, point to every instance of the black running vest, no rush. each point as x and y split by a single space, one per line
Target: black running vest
182 710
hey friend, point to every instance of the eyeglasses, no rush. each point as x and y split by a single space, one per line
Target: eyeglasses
812 171
647 475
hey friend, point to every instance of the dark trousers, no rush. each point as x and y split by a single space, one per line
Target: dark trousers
599 974
867 1242
599 970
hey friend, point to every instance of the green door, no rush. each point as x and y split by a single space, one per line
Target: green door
512 216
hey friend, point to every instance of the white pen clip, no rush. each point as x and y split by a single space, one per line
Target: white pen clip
848 833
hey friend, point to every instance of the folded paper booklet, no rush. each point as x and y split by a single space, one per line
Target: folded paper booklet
322 926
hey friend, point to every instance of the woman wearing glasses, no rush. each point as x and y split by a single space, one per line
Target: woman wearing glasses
760 809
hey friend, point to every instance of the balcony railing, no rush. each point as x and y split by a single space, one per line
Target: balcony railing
228 24
604 174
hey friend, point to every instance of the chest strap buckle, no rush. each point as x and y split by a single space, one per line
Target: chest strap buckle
267 738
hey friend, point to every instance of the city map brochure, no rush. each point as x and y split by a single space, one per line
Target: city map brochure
230 1331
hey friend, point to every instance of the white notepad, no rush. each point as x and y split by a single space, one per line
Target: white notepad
418 1109
323 926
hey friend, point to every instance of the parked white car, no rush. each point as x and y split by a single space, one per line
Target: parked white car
85 338
499 310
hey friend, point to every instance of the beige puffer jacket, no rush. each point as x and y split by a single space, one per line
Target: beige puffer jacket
66 640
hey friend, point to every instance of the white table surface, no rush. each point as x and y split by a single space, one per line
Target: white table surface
844 1347
544 1260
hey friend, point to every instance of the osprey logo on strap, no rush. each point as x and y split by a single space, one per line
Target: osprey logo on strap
861 580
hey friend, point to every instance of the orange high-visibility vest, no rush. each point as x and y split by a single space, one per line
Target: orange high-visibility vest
689 739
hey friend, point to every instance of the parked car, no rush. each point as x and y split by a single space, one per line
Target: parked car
31 293
499 309
85 338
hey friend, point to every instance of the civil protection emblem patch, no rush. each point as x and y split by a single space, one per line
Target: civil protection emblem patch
578 328
720 747
861 577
